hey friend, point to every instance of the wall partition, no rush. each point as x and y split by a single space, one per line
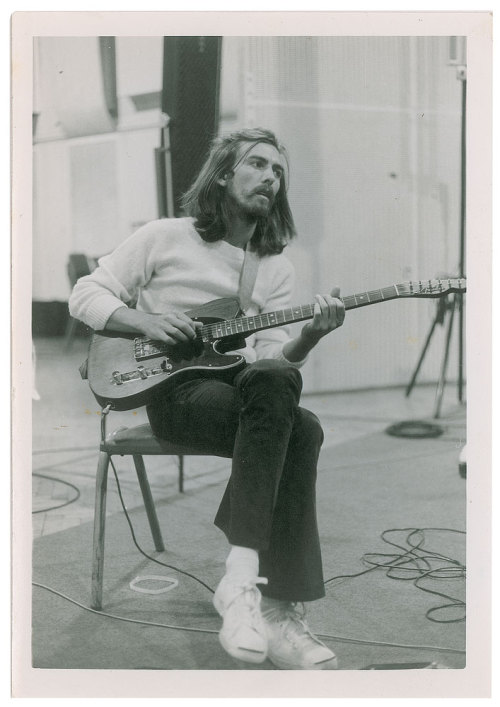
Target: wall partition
372 125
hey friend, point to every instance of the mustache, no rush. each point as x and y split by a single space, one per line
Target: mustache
265 192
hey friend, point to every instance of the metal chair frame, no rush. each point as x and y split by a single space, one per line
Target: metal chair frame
137 442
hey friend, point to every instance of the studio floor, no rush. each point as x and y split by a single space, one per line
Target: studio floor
369 483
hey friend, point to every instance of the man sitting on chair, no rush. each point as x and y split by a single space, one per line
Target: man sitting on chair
268 511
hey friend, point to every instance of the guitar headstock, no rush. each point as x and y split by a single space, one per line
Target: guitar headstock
433 288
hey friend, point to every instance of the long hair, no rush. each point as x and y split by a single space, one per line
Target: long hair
206 200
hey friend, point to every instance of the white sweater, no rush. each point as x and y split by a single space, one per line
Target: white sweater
167 266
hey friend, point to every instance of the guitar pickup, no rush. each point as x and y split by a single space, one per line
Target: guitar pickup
145 349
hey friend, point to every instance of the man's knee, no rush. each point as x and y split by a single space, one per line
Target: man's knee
309 426
275 374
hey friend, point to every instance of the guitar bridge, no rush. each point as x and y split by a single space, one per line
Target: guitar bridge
141 373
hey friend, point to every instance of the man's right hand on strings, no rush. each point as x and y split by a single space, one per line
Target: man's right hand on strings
171 327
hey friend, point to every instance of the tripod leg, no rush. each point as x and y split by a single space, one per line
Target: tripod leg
442 377
422 356
460 350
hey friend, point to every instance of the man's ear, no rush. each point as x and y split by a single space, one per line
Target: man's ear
222 181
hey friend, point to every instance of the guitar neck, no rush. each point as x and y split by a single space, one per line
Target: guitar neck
243 326
247 325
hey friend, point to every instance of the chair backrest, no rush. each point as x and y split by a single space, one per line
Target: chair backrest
79 265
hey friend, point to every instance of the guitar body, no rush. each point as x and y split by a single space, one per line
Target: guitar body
120 377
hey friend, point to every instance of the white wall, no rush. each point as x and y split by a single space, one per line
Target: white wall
92 187
373 130
372 126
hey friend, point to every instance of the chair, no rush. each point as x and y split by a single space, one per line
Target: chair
136 441
78 266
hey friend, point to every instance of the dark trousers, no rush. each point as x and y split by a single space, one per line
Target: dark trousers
269 503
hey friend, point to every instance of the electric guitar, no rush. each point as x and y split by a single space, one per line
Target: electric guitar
127 370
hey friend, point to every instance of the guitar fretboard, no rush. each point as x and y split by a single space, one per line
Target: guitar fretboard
268 320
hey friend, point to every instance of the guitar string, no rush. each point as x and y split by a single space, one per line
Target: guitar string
423 287
289 315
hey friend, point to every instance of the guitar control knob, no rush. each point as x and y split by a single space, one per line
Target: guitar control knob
142 372
117 378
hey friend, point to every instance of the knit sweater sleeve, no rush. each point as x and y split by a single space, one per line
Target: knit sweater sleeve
269 342
117 279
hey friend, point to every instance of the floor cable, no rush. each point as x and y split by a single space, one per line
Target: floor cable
340 639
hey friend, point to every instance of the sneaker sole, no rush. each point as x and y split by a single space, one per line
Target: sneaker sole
331 664
248 656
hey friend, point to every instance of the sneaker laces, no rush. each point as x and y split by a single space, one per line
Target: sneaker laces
248 596
291 617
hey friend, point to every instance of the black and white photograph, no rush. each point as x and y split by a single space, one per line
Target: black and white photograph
250 254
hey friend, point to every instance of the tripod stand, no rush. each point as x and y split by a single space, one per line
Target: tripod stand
446 307
449 305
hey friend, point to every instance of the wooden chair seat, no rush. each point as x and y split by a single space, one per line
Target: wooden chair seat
140 440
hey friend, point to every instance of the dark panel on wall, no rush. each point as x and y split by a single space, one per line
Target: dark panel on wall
52 319
191 70
49 318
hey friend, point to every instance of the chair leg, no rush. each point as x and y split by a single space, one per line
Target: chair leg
69 334
99 530
148 502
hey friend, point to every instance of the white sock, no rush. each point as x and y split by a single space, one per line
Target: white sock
243 561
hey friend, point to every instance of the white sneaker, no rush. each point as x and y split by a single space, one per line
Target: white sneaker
243 633
292 645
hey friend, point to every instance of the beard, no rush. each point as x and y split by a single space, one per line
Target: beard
251 208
